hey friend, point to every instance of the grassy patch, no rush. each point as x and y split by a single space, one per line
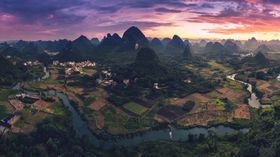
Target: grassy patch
233 84
97 94
3 112
135 108
19 123
137 122
34 86
218 120
50 80
32 117
93 96
114 121
275 98
220 104
4 93
58 109
221 67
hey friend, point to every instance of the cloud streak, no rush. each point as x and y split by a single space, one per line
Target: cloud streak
249 18
52 19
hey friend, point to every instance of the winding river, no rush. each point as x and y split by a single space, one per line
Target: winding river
175 134
153 135
253 101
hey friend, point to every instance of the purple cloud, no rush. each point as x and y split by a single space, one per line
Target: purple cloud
52 19
166 10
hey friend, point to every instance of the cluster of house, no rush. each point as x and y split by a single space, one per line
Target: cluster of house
105 78
72 63
32 63
74 67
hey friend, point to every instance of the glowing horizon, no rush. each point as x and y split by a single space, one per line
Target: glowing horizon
193 19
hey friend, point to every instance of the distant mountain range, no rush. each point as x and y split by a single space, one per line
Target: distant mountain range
82 48
217 49
133 39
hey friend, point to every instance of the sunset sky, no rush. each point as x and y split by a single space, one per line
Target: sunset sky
56 19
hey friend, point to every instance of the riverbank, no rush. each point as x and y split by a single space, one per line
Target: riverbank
154 134
253 101
162 132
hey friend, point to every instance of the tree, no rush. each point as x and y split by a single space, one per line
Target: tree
248 150
260 75
188 106
212 142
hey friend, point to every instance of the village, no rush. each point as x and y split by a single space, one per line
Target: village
72 67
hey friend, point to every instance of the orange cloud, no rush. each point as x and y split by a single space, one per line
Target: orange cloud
244 21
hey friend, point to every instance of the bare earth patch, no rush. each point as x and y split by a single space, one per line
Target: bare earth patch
264 86
196 97
276 85
212 107
242 112
202 118
18 105
233 95
76 90
98 104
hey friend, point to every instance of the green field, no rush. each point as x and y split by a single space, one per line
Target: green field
135 108
220 104
58 109
4 93
220 66
3 112
233 84
114 121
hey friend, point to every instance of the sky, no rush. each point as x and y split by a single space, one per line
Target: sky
193 19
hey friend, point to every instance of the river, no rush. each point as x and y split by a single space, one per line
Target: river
253 101
178 134
152 135
44 77
47 73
